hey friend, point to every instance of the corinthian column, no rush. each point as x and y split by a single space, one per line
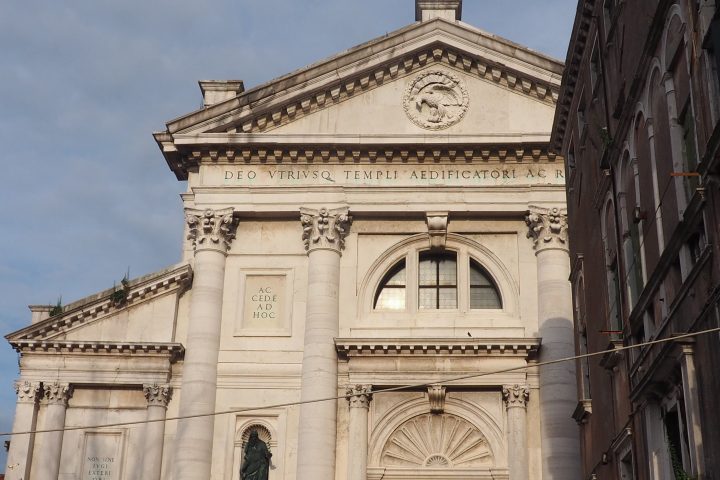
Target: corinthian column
19 457
56 400
324 234
211 232
558 396
157 397
516 397
359 397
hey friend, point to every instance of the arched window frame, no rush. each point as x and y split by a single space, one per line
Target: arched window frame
465 248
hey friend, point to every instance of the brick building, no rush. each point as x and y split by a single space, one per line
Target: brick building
638 123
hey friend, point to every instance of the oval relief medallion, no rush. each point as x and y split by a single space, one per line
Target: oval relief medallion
436 100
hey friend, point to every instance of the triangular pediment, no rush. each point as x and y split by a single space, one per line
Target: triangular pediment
511 89
140 311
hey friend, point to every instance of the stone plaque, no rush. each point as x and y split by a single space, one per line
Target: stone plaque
101 456
264 302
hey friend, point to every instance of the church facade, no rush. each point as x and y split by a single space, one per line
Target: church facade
375 262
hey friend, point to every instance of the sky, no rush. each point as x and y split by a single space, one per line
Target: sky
86 195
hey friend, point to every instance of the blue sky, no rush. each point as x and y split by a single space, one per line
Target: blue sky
86 193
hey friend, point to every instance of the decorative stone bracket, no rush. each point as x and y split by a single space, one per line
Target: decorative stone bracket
325 228
547 227
437 229
436 395
211 229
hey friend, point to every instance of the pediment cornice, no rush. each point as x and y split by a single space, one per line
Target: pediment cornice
435 43
105 303
358 347
174 351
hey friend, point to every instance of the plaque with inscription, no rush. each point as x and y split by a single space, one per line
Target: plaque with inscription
264 302
101 456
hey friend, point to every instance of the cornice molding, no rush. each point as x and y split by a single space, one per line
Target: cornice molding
88 309
357 347
175 351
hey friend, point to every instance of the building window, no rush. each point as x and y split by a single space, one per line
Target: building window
595 69
437 284
483 291
689 151
437 281
391 294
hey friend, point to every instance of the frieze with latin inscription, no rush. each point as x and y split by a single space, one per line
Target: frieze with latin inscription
374 175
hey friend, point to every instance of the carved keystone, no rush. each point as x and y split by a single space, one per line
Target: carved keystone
437 229
436 395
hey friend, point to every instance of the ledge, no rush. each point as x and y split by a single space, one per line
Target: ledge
517 347
174 350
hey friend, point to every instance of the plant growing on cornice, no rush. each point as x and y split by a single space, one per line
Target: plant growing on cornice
57 309
677 466
120 294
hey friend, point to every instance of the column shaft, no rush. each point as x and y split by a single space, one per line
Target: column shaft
558 391
358 432
157 397
211 232
56 398
19 458
324 232
516 400
318 421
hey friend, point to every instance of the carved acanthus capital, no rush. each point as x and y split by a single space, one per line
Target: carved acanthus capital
325 228
57 393
436 395
359 396
547 227
211 229
157 395
516 395
27 392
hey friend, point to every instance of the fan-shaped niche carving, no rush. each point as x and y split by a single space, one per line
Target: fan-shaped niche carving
436 441
262 431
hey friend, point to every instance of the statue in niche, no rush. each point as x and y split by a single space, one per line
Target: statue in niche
256 459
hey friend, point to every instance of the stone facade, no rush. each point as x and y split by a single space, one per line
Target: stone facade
389 218
638 124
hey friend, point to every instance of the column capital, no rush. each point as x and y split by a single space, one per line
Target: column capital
57 393
211 229
27 392
359 396
547 227
325 228
516 395
157 395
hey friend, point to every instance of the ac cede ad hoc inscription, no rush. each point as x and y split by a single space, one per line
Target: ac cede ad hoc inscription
408 176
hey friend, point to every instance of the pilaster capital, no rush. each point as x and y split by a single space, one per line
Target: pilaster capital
57 393
157 395
211 229
359 396
547 227
325 228
516 395
27 392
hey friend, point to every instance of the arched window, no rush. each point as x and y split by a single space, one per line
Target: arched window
437 274
435 278
391 294
483 291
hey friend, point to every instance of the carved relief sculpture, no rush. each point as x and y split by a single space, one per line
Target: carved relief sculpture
359 396
157 395
211 228
57 393
27 392
436 100
516 395
547 227
325 228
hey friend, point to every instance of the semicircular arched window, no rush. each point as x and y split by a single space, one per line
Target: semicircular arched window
391 293
483 291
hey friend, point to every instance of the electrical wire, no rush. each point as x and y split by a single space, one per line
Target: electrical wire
375 392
